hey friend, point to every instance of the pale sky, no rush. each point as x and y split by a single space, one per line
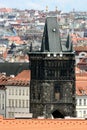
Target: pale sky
63 5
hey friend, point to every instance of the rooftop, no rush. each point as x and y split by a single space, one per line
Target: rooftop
22 79
43 124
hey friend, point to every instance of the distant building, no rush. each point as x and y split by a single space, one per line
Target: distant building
2 100
81 94
17 101
14 94
85 33
80 53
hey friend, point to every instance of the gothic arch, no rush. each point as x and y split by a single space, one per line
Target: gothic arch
57 114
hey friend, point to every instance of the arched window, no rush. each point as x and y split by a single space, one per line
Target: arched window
57 91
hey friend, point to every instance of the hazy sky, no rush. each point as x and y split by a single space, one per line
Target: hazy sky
64 5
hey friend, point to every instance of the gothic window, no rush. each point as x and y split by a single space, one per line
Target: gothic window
39 89
33 95
39 96
34 69
57 92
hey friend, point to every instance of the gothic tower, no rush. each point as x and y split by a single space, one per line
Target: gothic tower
52 86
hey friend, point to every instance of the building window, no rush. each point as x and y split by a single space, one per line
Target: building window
16 92
57 92
16 103
3 96
39 96
12 91
12 102
76 102
23 92
27 92
23 103
11 114
76 113
2 106
9 102
19 91
19 103
80 102
9 91
33 95
84 113
80 114
27 103
84 102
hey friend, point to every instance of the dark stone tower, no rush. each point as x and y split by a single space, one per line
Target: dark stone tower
52 86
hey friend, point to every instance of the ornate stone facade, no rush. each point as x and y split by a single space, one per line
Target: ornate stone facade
52 86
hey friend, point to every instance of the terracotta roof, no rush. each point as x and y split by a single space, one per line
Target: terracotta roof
4 10
43 124
15 38
81 83
80 48
5 54
24 75
83 61
77 70
76 38
81 90
19 80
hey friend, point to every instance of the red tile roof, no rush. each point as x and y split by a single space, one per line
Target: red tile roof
81 83
77 70
83 61
22 79
43 124
24 75
80 48
4 10
76 38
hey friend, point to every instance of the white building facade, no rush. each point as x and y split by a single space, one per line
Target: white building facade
81 106
17 100
2 101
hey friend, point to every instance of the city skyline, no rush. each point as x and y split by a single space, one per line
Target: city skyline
63 5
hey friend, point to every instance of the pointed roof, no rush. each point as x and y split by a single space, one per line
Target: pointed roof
51 41
51 37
